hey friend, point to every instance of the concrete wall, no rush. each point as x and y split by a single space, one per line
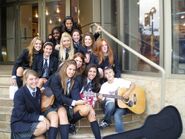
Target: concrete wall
175 94
89 13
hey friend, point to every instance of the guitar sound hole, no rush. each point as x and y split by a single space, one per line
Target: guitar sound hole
130 103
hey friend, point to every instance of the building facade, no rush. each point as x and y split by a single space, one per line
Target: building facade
154 28
145 26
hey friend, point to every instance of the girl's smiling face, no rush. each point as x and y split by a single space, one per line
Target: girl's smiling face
32 81
92 73
88 41
70 71
79 62
104 47
69 24
38 45
76 36
66 42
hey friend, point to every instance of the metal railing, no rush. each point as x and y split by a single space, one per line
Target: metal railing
163 85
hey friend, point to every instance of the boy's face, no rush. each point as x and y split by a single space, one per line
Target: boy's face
109 74
47 50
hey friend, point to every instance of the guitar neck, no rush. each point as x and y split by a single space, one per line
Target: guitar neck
115 96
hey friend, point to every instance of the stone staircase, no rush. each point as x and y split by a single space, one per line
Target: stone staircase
83 128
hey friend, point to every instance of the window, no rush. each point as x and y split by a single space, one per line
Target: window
178 36
137 24
55 13
142 33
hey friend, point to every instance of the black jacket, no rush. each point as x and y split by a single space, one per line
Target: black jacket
38 65
27 110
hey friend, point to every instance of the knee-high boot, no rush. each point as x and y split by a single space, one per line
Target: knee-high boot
76 118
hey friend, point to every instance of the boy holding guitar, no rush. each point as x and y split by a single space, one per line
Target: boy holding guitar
110 107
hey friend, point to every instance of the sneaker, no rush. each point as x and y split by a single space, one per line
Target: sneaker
72 129
103 124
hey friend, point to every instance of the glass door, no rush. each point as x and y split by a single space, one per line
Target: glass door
28 23
55 14
7 33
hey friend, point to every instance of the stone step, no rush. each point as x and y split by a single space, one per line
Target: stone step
5 117
83 132
4 135
6 102
6 109
4 126
129 118
5 80
4 91
6 69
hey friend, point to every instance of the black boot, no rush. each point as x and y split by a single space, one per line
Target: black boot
76 118
64 131
72 129
52 133
19 81
95 129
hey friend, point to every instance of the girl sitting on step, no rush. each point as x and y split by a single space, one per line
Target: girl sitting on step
26 119
66 88
25 60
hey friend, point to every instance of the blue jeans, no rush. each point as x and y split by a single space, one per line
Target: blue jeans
119 127
111 109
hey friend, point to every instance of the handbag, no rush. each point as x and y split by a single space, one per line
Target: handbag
47 99
12 90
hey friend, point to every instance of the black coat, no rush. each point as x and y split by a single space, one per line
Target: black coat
79 48
115 66
38 65
54 83
23 61
27 110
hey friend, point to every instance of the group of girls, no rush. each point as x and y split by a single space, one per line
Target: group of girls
70 66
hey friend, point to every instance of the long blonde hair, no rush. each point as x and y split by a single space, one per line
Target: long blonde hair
62 53
63 74
31 49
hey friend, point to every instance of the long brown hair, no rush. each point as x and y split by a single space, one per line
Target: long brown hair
91 36
31 49
63 74
82 68
99 53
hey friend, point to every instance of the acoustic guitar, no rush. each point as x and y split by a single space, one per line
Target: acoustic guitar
136 101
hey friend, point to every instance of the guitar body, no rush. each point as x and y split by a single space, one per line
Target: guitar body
136 102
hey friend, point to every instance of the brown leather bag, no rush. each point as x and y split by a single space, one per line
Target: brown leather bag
47 99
